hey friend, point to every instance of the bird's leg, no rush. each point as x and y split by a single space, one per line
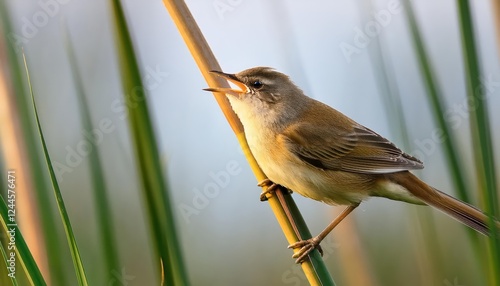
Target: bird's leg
306 246
271 187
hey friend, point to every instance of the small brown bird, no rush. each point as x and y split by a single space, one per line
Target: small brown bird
318 152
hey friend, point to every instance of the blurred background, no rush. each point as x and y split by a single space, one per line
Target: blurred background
348 54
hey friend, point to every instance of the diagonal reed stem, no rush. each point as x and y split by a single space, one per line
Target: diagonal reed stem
314 268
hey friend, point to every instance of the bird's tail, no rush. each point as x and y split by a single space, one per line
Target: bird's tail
459 210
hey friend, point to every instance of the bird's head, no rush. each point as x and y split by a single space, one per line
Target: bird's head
261 83
262 91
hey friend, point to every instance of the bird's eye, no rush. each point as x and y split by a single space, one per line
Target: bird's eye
257 84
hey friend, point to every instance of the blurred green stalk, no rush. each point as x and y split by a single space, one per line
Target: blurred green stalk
155 191
102 205
50 237
481 134
75 253
436 98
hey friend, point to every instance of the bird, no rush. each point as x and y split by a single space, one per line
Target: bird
316 151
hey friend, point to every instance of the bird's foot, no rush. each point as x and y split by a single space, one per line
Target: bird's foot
271 187
306 246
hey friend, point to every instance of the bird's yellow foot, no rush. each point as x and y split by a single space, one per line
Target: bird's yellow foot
306 246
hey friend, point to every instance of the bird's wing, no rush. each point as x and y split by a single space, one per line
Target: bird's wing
358 150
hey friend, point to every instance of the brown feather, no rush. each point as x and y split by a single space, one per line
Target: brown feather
337 143
459 210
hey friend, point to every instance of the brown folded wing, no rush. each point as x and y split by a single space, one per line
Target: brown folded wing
359 150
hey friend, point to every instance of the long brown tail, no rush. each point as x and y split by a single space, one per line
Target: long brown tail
459 210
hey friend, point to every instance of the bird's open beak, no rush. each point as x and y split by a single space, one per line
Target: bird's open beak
232 79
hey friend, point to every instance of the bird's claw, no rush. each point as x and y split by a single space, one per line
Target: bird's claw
306 246
271 187
265 182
